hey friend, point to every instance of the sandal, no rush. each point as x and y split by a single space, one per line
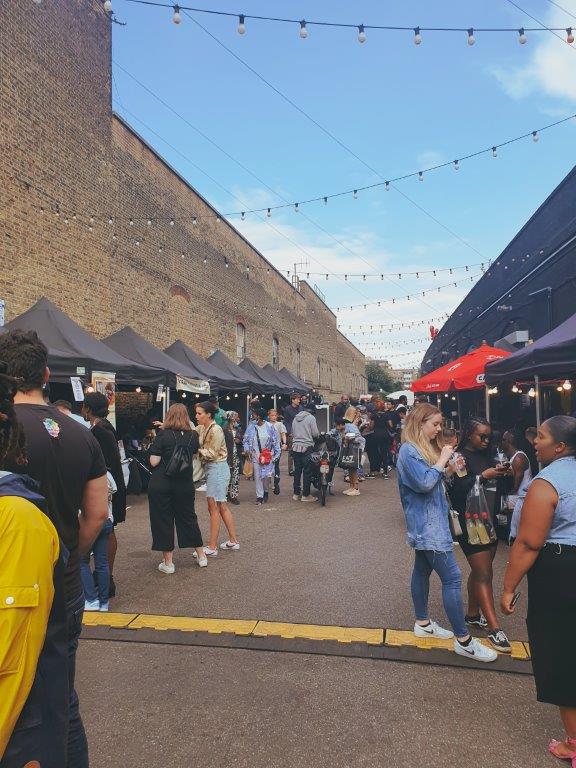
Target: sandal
554 744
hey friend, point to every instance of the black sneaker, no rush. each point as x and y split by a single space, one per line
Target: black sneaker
499 641
276 486
476 621
259 502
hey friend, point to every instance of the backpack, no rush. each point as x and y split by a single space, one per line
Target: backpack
180 461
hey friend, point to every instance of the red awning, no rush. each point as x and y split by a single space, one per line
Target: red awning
467 372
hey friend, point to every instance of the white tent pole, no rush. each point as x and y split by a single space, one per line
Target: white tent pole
487 404
165 403
538 403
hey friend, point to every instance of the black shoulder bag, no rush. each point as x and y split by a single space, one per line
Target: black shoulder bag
180 461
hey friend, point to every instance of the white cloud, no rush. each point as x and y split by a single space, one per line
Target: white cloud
551 66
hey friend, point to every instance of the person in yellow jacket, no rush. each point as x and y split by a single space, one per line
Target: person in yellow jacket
29 614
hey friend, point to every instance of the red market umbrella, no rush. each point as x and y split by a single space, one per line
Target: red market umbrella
466 372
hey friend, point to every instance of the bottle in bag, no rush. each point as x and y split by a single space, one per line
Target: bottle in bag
480 528
488 527
471 530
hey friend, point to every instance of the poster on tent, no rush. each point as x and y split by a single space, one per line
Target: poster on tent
106 384
192 385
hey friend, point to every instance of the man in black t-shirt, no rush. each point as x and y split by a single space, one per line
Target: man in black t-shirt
66 460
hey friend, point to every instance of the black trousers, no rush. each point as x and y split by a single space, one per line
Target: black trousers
301 473
172 504
378 450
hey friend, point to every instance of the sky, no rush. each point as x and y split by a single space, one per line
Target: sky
373 111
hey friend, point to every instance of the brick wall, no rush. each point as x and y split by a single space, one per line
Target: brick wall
166 281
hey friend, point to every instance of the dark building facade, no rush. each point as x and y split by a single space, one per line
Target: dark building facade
526 292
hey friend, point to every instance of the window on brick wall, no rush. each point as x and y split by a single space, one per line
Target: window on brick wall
298 372
240 341
318 371
275 353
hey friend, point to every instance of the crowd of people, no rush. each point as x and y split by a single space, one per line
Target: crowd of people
62 494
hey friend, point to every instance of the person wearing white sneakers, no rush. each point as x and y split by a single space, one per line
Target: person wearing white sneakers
350 435
422 462
214 456
171 493
97 595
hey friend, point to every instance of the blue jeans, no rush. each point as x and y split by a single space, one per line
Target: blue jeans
445 565
101 567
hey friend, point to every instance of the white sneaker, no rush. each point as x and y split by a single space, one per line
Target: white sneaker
433 630
475 650
166 568
202 487
91 605
295 497
210 552
229 545
202 561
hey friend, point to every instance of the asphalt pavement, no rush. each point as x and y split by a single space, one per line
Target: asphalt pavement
156 704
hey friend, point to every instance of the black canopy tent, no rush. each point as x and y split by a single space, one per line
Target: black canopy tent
72 351
553 356
135 347
297 384
252 383
284 387
267 385
219 378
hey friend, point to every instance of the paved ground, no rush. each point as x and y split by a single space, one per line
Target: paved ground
156 704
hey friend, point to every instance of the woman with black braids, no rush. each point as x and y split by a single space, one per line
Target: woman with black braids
33 649
475 447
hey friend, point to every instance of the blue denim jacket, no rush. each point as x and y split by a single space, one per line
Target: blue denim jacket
424 501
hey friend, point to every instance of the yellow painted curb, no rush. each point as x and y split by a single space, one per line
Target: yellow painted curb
398 638
105 619
319 632
189 624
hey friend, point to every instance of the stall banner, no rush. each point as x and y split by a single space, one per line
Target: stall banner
106 384
160 393
193 385
77 388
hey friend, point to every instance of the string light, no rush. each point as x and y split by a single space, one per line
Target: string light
471 38
456 165
567 386
522 39
494 152
420 176
241 25
515 389
303 30
569 36
268 213
107 6
417 36
361 34
531 392
177 18
535 136
355 194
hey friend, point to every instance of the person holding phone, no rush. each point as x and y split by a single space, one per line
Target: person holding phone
422 465
545 551
475 448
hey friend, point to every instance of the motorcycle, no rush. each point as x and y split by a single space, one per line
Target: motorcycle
322 461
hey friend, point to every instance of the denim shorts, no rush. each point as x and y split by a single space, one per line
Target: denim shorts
217 480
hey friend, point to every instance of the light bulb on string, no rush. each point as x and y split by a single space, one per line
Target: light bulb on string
110 220
559 389
194 221
131 222
471 38
522 39
268 213
303 31
494 152
387 186
535 136
569 36
355 194
566 386
177 19
420 176
149 222
296 207
417 36
242 215
241 25
107 6
456 165
361 34
138 389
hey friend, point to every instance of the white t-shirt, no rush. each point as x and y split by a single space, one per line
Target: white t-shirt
262 434
280 428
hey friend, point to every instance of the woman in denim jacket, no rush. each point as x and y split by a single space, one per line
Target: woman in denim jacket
421 466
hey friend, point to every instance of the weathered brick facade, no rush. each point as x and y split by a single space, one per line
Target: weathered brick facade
66 160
